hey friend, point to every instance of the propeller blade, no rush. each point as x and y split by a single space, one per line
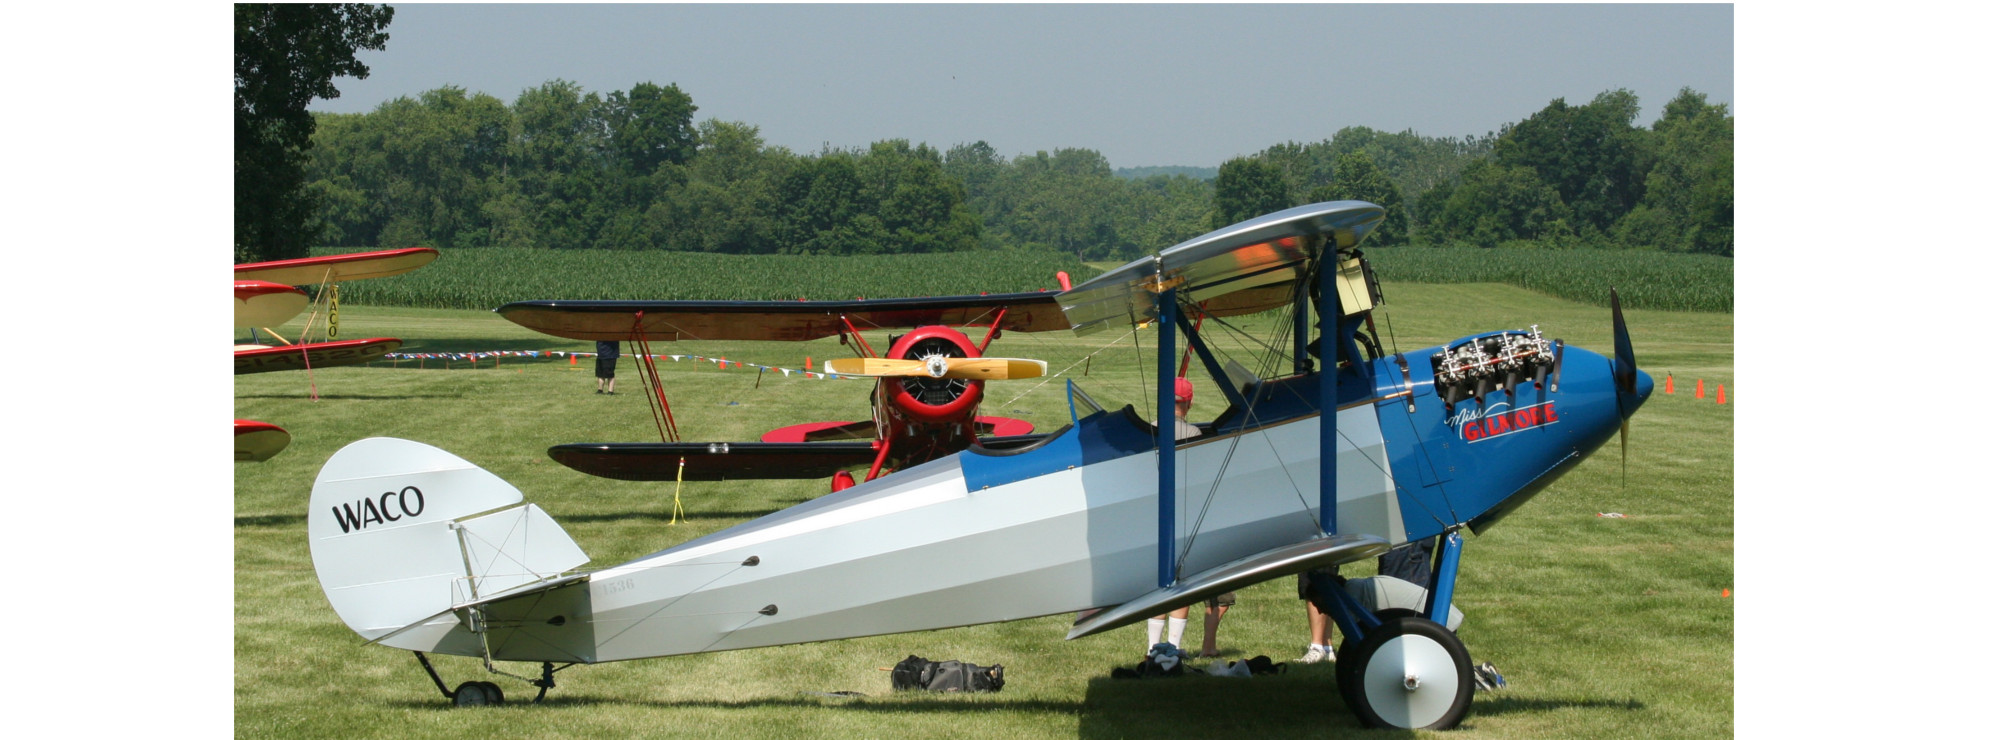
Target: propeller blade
1632 385
956 368
876 367
1623 426
1625 370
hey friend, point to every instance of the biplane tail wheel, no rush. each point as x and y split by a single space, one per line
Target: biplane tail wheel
477 693
1409 673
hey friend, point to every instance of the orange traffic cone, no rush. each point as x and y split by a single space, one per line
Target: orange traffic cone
809 366
572 358
1718 394
1697 387
1725 593
1670 384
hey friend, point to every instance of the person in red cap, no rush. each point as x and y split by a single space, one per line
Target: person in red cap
1174 623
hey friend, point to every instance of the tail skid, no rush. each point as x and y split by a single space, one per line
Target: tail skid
403 534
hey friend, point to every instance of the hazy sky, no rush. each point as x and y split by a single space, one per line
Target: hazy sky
1142 84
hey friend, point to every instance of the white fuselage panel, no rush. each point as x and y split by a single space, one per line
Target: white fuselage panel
916 551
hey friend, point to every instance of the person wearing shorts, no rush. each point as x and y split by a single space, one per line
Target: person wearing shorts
1217 607
1172 624
607 368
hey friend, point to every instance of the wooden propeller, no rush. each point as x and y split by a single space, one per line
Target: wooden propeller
957 368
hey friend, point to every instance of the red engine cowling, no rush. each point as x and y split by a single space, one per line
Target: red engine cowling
927 400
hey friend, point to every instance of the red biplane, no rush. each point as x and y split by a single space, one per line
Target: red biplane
265 297
930 380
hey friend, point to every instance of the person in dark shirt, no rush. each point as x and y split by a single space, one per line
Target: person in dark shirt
607 368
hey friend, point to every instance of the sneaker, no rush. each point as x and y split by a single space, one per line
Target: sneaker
1316 654
1487 678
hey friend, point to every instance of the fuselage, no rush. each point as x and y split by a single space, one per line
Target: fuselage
982 536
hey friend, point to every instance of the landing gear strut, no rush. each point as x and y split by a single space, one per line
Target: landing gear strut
481 693
1396 668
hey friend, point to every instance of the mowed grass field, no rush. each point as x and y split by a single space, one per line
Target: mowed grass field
1604 627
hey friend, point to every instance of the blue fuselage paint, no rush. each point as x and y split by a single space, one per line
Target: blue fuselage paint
1475 461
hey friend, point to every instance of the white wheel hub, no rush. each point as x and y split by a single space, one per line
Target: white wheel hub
1411 681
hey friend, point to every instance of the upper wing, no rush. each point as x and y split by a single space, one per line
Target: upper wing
338 267
1244 268
785 321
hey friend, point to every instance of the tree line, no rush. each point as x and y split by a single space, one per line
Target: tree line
564 168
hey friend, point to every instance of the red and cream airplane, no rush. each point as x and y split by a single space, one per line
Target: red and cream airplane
265 297
930 380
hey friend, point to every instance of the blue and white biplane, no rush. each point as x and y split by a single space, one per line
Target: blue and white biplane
1342 454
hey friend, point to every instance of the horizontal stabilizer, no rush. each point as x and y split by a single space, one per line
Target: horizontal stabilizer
1233 575
444 616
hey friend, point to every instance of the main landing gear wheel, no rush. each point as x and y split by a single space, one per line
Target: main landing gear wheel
1409 673
1348 658
477 693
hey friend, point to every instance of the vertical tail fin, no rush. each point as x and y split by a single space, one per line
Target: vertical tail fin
395 538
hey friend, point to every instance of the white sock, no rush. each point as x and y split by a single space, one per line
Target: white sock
1176 626
1153 628
1321 648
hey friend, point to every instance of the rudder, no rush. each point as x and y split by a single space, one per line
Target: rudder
395 538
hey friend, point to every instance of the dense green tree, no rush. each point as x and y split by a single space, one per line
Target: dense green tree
1689 202
1246 188
1590 154
984 173
921 207
287 55
440 151
728 189
1496 203
652 125
1158 212
563 153
822 211
1357 178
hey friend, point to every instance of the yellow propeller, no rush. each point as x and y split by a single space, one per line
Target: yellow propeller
938 366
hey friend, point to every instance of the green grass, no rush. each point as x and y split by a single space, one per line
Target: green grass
1604 627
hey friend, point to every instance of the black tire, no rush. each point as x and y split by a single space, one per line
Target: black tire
470 694
493 693
1433 690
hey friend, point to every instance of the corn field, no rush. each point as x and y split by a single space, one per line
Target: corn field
1650 280
488 277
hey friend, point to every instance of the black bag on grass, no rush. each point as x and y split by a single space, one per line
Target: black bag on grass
949 675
